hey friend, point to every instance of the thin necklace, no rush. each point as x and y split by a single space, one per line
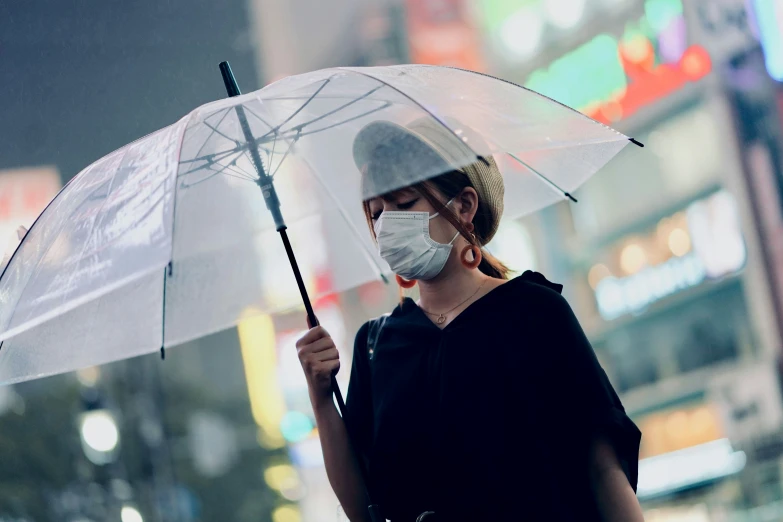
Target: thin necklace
441 318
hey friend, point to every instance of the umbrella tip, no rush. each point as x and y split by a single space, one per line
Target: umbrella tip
636 142
232 88
162 353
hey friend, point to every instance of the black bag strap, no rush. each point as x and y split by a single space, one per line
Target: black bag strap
374 333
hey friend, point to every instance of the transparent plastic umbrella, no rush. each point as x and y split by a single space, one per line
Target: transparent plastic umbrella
170 238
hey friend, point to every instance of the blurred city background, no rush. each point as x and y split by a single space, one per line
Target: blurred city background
672 259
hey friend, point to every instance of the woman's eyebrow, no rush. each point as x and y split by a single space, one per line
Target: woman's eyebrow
397 195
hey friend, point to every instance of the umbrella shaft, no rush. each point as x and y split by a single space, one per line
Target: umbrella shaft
272 202
264 180
298 275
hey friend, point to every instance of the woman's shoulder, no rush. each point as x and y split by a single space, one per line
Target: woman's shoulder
534 304
534 290
537 280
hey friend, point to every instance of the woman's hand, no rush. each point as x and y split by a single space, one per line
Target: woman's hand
320 360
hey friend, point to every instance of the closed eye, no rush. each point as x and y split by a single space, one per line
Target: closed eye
408 205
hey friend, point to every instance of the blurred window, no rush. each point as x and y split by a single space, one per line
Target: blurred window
704 330
682 158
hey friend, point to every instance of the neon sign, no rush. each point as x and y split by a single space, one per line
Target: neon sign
616 297
609 79
647 86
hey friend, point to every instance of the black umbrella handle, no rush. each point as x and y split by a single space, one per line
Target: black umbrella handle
273 204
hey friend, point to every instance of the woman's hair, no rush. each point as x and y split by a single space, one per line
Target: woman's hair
450 185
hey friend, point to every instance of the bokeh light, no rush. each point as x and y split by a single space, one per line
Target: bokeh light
679 242
99 431
130 514
632 258
522 32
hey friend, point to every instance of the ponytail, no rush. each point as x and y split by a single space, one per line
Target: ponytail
492 267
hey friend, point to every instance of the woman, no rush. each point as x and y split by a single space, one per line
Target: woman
483 400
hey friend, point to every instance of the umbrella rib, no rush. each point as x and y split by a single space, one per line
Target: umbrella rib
288 150
334 111
549 182
262 120
297 111
259 118
270 155
386 105
237 143
240 173
300 134
422 107
213 132
231 174
166 272
272 130
237 172
210 161
632 140
275 130
215 173
351 224
298 128
211 157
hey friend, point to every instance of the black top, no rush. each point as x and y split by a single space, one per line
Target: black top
490 418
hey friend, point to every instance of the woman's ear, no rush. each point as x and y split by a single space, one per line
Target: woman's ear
468 204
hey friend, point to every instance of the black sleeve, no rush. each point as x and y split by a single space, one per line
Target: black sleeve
581 397
358 403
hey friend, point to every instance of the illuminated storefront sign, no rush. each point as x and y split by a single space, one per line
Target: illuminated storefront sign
704 242
689 467
684 447
618 296
610 78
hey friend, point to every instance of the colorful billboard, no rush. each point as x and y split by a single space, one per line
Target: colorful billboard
610 78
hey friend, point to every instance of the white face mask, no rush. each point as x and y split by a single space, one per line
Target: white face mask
404 242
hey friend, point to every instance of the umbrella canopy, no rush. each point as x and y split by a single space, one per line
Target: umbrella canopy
169 238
